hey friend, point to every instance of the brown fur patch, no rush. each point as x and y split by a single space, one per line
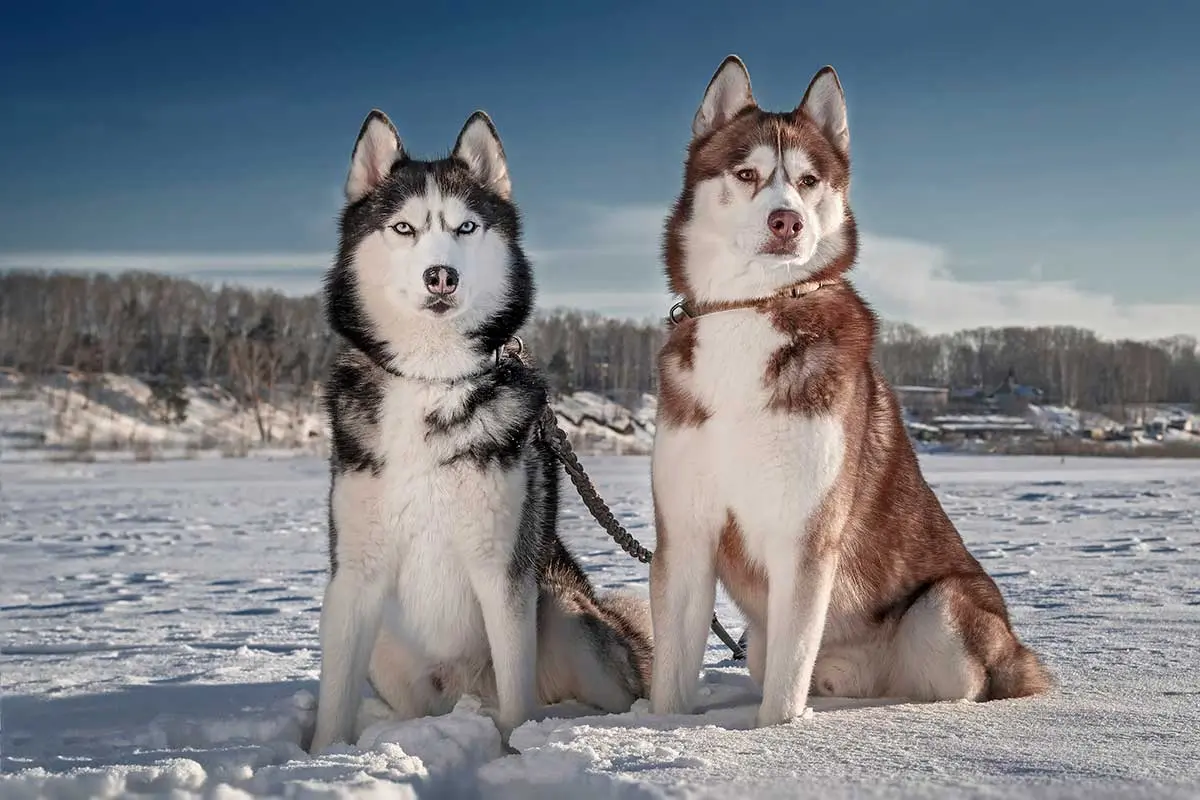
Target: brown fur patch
824 534
899 542
682 344
830 333
678 406
745 581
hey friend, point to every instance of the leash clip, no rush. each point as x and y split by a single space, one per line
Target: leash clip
508 348
677 313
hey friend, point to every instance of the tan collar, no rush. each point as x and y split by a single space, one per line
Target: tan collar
792 291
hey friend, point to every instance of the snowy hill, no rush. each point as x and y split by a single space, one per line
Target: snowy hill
597 425
71 414
74 416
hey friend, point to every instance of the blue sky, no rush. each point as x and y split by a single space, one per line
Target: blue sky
1016 162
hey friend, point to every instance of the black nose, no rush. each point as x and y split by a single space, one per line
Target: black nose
441 280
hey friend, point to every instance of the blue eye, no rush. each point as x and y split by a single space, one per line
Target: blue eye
467 227
404 229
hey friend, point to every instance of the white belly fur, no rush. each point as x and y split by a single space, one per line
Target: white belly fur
434 519
771 469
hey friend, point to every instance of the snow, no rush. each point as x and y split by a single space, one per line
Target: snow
1061 419
160 639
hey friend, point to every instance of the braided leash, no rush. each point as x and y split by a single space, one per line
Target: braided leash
561 447
558 443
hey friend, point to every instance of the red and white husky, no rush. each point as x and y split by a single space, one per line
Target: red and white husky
781 464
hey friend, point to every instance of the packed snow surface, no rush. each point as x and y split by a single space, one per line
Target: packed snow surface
160 638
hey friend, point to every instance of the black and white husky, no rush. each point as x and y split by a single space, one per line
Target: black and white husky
447 575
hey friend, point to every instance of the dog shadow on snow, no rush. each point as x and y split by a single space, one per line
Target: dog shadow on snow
140 724
143 724
729 698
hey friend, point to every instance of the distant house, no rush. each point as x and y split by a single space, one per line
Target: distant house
1011 397
922 400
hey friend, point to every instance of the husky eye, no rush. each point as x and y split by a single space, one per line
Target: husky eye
404 229
467 227
746 175
809 181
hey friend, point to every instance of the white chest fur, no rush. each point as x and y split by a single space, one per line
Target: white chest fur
770 468
441 523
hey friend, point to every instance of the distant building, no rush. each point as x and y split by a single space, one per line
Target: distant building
1011 397
922 400
987 426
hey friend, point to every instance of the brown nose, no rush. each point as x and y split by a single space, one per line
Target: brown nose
441 280
785 224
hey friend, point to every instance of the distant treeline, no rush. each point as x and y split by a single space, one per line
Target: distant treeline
257 342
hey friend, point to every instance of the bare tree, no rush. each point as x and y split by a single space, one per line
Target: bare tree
266 348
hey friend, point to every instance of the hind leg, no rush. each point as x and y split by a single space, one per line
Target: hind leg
847 670
931 659
401 679
955 642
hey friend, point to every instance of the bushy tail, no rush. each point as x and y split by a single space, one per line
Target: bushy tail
599 652
629 618
1020 674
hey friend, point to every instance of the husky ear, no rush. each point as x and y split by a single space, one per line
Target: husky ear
377 149
479 147
825 104
728 93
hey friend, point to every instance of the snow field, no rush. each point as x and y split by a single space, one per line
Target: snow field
160 639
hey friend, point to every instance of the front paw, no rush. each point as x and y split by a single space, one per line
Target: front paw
673 708
505 725
769 717
318 745
322 740
668 702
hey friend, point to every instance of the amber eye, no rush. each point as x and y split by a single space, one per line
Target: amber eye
809 181
746 176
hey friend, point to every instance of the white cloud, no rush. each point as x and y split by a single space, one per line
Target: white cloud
912 282
905 280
